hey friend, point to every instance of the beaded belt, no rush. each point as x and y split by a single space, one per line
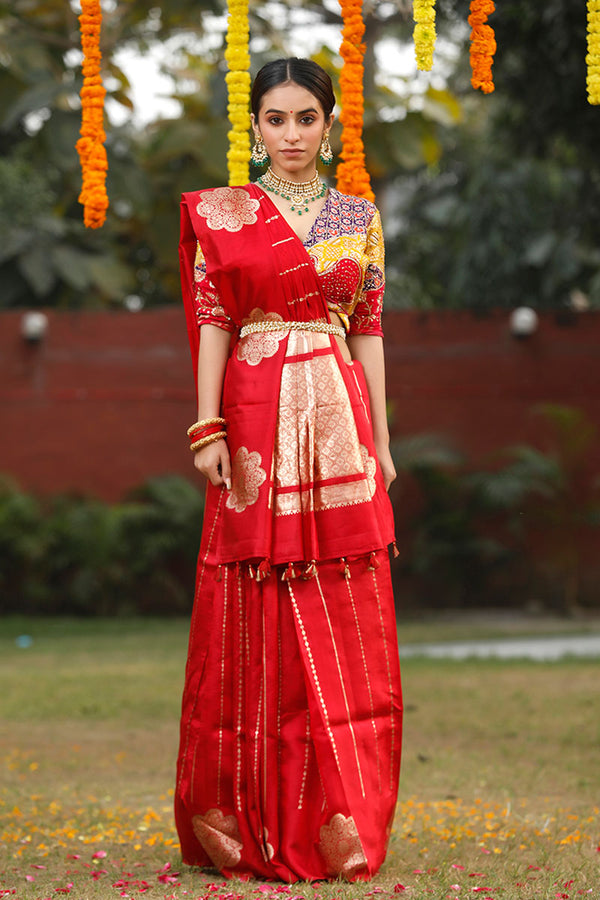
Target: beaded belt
281 325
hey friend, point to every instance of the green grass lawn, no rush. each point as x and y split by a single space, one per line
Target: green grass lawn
499 795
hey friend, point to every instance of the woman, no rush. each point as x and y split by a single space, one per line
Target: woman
291 724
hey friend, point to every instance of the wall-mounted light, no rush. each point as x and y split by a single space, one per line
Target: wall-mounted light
523 322
133 302
34 326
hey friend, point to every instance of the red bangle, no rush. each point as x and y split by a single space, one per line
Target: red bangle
198 433
216 420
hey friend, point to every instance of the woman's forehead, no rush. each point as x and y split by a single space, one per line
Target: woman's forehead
289 98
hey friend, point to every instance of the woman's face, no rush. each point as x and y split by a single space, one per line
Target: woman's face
291 121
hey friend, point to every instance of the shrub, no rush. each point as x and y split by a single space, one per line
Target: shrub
79 556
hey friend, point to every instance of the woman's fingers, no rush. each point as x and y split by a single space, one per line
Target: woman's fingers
226 465
214 463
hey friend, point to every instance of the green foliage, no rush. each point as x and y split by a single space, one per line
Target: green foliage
488 201
506 534
511 212
79 556
518 530
498 233
49 256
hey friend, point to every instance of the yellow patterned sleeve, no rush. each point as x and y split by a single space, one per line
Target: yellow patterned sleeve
366 316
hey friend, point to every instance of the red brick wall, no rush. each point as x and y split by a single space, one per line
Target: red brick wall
99 405
103 402
470 379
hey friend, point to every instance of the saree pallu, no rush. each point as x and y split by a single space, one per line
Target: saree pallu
291 720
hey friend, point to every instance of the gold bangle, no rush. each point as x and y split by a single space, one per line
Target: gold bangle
203 423
209 439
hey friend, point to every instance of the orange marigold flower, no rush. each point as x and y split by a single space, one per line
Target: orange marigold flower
90 146
483 45
352 175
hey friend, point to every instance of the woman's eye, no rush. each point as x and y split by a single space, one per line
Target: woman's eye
307 120
275 120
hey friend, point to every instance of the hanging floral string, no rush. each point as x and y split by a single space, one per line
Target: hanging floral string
593 51
424 32
483 45
237 56
90 146
352 175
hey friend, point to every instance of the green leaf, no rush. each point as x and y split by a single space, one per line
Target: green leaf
73 265
111 276
35 267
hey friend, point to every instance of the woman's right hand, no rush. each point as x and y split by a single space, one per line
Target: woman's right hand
214 463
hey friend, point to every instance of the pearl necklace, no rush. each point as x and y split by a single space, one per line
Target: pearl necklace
299 194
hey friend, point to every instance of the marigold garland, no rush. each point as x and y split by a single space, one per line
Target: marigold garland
483 45
238 92
593 52
90 146
352 175
424 32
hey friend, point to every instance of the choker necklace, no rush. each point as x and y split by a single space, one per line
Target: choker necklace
299 194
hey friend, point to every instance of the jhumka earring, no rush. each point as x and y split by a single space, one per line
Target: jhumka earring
259 156
325 151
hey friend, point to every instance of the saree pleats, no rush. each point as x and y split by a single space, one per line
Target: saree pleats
290 740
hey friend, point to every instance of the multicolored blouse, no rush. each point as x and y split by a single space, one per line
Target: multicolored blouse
345 245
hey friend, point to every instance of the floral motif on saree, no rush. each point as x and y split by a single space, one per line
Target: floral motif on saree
220 838
247 476
228 208
260 345
341 848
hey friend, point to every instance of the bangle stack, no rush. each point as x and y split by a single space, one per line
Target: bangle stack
205 432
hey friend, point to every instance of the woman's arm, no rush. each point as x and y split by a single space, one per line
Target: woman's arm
213 460
368 350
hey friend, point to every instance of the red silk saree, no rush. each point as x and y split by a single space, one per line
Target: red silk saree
291 719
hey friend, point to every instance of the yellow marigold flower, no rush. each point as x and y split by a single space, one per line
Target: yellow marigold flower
424 32
593 52
237 57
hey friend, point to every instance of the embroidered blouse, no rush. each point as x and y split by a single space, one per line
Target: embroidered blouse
345 245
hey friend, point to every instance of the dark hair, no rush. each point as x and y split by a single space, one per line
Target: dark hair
305 72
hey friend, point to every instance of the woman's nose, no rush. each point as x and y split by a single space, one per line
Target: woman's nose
291 133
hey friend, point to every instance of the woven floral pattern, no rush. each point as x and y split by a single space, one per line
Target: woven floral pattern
341 848
247 476
228 208
220 838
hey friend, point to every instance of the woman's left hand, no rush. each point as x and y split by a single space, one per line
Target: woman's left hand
388 469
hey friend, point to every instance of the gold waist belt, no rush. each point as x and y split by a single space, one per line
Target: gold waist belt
281 325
